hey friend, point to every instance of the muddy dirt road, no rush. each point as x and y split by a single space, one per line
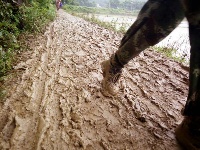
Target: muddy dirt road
57 104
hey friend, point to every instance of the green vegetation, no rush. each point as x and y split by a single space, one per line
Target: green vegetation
108 25
129 5
92 19
18 19
88 13
170 52
95 10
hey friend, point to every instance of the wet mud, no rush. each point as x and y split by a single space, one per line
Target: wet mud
57 102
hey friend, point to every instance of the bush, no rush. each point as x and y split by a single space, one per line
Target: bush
16 20
36 17
8 35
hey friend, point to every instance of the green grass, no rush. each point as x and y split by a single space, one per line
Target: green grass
92 19
170 53
95 10
108 25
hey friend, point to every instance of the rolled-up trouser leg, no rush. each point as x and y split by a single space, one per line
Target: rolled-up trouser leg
192 9
155 21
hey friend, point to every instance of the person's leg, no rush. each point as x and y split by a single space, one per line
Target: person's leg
57 4
188 133
192 107
155 21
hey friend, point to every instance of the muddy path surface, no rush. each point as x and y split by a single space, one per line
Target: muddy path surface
57 104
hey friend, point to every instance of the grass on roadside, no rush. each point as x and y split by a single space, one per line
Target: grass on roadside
95 10
170 53
17 22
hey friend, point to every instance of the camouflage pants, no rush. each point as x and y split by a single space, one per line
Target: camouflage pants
156 20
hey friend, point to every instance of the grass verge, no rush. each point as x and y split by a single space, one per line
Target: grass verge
19 21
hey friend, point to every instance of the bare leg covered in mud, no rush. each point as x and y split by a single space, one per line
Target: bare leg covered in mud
155 21
55 100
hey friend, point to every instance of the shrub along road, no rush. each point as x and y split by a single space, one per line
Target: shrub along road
57 102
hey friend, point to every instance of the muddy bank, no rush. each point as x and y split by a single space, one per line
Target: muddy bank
57 102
